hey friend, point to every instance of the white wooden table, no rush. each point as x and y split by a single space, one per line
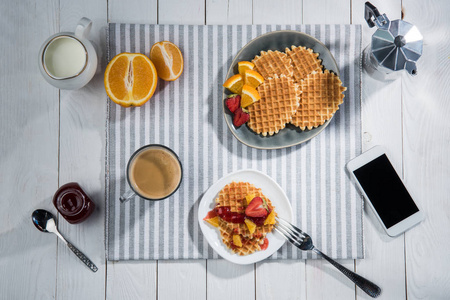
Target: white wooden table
49 137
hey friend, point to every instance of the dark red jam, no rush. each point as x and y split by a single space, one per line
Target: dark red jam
235 217
73 203
229 216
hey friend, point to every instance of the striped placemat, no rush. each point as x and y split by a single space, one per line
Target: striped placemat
186 115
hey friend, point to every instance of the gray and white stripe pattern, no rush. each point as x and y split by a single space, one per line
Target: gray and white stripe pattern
186 115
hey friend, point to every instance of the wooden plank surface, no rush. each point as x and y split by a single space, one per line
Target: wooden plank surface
381 125
426 152
49 137
228 12
29 151
81 159
131 280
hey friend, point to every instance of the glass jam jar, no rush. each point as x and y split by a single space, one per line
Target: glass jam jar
73 203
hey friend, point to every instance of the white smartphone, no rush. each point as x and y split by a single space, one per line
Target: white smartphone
384 191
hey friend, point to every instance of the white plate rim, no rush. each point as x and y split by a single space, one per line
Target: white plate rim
270 187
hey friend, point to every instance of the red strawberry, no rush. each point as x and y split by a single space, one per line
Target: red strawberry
211 214
240 117
256 208
265 244
233 102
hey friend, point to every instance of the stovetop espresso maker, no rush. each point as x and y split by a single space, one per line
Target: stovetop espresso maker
396 46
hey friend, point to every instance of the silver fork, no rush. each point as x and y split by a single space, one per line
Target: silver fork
303 241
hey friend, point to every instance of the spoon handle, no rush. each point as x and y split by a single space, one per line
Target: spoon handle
83 257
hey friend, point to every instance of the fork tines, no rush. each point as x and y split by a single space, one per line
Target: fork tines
292 233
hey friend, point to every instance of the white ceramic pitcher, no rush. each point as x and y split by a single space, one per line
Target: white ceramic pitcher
67 60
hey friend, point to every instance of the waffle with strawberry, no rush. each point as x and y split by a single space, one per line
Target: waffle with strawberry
244 216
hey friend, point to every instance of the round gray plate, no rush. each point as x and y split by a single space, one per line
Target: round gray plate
276 40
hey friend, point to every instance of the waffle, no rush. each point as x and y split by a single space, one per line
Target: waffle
279 101
321 97
273 63
248 245
304 62
233 196
242 229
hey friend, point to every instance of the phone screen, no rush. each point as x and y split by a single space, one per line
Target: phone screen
386 191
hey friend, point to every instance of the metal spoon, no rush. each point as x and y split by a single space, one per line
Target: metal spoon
45 222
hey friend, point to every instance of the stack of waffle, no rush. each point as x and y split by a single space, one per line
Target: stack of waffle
233 196
296 90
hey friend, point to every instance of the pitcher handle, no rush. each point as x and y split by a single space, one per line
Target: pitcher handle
83 28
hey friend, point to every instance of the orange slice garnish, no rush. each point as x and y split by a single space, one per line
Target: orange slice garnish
245 65
250 225
249 95
130 79
213 221
237 240
168 60
253 78
234 83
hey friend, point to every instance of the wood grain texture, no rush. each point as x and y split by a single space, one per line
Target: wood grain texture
426 152
181 12
133 11
182 279
281 280
326 12
228 12
277 12
29 151
130 280
226 280
381 125
321 274
82 153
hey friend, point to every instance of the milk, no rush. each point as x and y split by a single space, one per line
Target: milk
64 57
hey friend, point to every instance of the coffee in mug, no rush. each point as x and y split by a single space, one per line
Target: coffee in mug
154 172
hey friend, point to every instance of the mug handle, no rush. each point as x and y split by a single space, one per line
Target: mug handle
83 28
127 196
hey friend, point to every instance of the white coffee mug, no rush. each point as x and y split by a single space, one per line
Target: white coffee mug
67 60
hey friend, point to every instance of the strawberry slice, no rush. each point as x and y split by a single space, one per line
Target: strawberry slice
265 244
211 214
233 102
240 117
256 208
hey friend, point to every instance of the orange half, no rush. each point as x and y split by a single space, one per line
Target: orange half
168 60
130 79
